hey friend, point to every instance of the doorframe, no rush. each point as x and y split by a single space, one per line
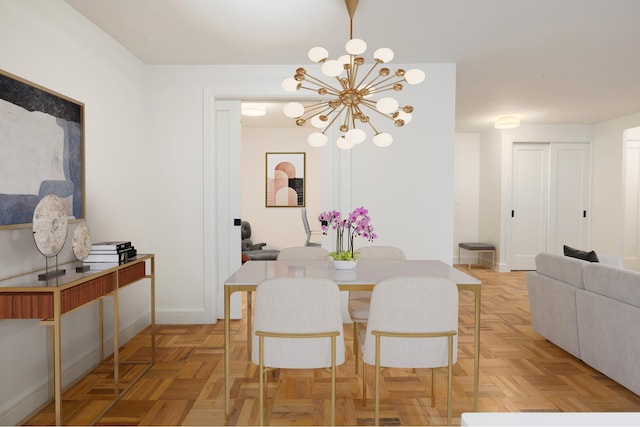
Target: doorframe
335 195
631 141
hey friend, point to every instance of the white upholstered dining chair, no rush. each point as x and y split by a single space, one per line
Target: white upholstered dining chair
413 323
358 305
298 325
304 252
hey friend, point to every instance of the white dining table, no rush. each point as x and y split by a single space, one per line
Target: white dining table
361 278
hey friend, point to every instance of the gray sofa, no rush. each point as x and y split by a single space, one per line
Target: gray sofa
591 310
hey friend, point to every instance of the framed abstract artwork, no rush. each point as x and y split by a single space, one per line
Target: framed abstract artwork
285 180
41 151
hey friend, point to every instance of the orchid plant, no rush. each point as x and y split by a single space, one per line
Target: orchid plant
347 229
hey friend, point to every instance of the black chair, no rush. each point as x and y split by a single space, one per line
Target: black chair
254 251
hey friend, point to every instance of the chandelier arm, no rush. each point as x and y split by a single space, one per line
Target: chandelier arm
354 108
385 89
347 118
354 72
334 119
373 127
389 86
312 110
375 81
320 83
388 116
313 113
314 106
368 74
329 90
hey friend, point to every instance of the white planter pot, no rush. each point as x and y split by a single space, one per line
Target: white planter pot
345 264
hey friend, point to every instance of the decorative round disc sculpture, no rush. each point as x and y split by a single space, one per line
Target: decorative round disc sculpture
81 241
50 225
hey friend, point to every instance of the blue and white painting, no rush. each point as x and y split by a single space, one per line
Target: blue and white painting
41 151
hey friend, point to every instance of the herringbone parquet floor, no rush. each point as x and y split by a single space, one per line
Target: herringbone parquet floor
519 371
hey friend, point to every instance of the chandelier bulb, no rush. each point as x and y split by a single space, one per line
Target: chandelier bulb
317 139
383 55
318 54
387 105
355 46
332 68
344 144
383 139
290 85
345 60
355 136
316 122
405 117
414 76
293 110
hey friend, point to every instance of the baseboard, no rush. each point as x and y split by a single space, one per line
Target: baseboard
21 407
184 317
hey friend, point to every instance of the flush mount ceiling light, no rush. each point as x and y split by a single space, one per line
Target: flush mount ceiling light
253 109
351 95
507 121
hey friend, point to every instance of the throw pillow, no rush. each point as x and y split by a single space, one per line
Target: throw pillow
577 253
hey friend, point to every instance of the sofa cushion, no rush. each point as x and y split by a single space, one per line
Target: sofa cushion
565 269
622 285
577 253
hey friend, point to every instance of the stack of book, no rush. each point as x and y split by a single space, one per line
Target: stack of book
105 255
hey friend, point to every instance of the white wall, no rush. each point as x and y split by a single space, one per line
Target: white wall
408 187
279 227
48 43
466 224
491 192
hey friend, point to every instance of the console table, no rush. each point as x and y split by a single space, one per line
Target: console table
26 297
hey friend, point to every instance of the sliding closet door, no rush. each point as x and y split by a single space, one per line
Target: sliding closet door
569 197
550 200
530 196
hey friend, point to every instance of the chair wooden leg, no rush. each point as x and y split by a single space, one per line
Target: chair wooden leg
450 381
333 381
356 345
433 387
261 390
377 392
364 384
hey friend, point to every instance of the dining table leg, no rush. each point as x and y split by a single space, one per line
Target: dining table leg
227 350
476 351
249 323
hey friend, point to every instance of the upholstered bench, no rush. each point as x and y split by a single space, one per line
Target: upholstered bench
478 248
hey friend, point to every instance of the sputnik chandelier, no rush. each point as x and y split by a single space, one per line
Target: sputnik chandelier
351 98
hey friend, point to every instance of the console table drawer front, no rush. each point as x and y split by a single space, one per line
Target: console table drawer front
130 274
84 293
36 305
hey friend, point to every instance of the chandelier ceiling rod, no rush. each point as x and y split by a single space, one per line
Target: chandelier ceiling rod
352 5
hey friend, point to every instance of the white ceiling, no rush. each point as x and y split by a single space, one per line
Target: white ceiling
551 61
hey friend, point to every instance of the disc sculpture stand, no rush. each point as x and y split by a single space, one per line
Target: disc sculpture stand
82 246
50 232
